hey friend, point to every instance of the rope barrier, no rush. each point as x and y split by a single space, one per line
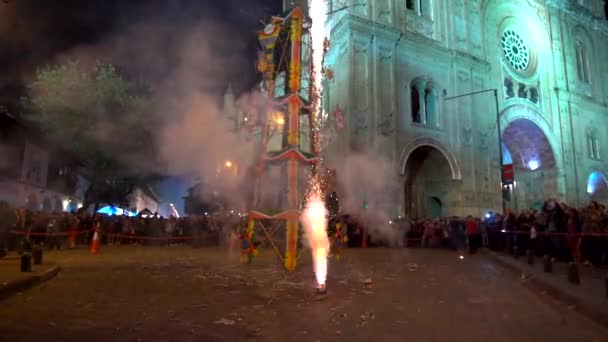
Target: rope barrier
67 233
550 233
150 238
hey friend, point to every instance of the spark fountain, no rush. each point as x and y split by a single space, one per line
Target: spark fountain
314 219
314 216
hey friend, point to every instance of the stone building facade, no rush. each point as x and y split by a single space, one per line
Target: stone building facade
34 174
397 63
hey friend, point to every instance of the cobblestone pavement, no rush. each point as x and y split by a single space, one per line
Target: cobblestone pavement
185 294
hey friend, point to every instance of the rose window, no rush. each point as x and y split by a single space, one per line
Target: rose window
516 51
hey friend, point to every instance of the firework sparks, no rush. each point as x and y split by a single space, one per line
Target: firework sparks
314 216
320 44
314 219
318 14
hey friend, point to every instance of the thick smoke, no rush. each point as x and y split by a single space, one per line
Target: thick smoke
189 67
368 185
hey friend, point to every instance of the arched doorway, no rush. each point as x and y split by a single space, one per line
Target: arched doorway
47 205
597 187
428 181
534 164
58 205
32 202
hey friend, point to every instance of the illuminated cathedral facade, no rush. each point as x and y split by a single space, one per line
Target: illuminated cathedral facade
539 76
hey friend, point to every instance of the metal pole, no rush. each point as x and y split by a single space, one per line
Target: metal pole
495 91
500 160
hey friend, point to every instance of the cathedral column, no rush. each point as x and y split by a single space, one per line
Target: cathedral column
422 109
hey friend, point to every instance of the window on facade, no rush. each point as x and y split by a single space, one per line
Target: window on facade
593 146
430 107
582 62
419 6
415 98
424 103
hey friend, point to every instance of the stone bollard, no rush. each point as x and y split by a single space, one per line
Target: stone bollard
547 264
26 262
573 276
530 257
37 255
516 252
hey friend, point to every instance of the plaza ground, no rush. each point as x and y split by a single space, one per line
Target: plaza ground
183 294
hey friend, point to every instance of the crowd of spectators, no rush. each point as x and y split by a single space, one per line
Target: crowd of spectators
54 230
558 230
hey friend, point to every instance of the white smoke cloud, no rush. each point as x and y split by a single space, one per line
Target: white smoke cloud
373 178
188 68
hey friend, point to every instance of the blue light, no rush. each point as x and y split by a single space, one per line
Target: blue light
506 155
533 164
110 210
594 182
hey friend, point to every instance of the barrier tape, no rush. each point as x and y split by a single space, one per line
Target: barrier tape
550 233
111 235
153 238
68 233
523 232
183 238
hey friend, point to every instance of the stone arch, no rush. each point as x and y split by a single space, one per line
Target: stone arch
579 32
536 155
33 201
427 141
428 186
518 112
57 204
47 204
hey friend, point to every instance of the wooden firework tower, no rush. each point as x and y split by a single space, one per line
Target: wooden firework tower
285 64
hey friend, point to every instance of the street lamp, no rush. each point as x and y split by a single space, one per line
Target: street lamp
495 91
228 163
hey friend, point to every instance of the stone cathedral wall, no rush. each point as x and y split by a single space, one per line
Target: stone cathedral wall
393 62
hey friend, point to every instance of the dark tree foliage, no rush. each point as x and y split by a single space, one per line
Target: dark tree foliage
103 119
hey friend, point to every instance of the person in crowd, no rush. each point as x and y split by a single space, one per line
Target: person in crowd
51 229
573 239
473 234
555 218
428 233
8 222
457 234
508 228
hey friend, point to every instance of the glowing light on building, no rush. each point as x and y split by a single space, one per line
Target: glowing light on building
228 163
65 204
533 164
110 210
595 181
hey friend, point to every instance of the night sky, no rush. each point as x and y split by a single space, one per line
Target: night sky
34 33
